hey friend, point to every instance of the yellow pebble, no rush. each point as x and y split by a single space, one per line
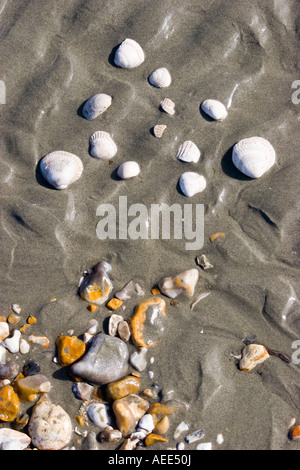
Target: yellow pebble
92 308
9 403
153 438
114 303
69 349
13 319
155 291
80 420
31 320
24 327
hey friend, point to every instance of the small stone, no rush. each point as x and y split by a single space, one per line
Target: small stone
12 343
123 387
129 444
96 287
13 440
42 340
295 432
49 427
9 403
83 390
162 426
24 346
252 355
31 320
163 409
9 370
13 319
29 387
4 330
31 368
124 330
3 354
128 411
147 323
16 308
194 436
99 415
204 446
114 303
154 438
113 323
92 308
146 423
138 359
105 361
180 446
110 435
69 349
203 262
183 283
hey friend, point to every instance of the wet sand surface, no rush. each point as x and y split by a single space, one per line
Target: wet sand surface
54 56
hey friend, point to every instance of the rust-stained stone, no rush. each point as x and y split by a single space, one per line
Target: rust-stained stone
128 411
154 438
9 403
123 387
146 324
295 432
69 349
29 387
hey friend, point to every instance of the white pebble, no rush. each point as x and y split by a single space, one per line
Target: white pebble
13 440
3 353
146 423
220 439
16 309
182 427
24 346
128 170
192 183
180 446
13 343
204 446
214 109
98 414
4 330
138 359
150 374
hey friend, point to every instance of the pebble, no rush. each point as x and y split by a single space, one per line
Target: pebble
43 341
83 390
162 426
138 359
96 287
9 403
194 436
204 446
113 323
124 330
105 361
214 109
114 304
49 427
9 370
252 355
16 308
4 330
31 368
110 435
128 170
180 446
13 440
123 387
12 343
191 183
99 415
29 387
146 423
183 283
3 354
147 323
295 432
128 411
154 438
181 428
69 349
24 346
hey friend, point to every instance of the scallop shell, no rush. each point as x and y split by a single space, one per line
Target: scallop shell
215 109
158 130
102 145
253 156
129 54
61 168
191 183
188 152
168 106
160 78
128 170
96 105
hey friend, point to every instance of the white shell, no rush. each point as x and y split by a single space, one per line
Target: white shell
253 156
61 168
13 440
158 130
129 54
160 78
168 106
215 109
183 283
102 145
96 105
188 152
191 183
128 170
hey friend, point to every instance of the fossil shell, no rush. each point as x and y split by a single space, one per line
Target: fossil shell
191 183
129 54
96 105
128 170
160 78
253 156
215 109
102 145
188 152
61 168
158 130
168 106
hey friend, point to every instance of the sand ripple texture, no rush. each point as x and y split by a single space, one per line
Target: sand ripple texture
244 54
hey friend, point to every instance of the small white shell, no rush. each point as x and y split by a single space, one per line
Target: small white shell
128 170
129 54
188 152
102 145
158 130
168 106
160 78
191 183
61 168
96 105
215 109
253 156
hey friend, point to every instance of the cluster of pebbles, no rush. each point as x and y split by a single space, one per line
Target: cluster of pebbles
112 398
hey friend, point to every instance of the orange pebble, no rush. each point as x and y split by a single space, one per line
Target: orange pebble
2 318
217 235
13 319
92 308
162 409
114 303
69 349
80 420
295 432
31 320
24 327
9 403
155 291
153 438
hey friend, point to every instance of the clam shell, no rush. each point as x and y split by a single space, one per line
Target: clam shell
158 130
215 109
96 105
61 168
168 106
188 152
191 183
160 78
253 156
129 54
102 145
128 170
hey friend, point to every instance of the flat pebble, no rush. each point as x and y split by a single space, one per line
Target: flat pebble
13 440
12 343
128 411
99 415
9 370
204 446
4 330
138 359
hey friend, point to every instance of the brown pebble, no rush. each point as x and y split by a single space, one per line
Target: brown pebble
123 387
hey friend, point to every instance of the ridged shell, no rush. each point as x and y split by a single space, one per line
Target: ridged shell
128 170
191 183
253 156
102 145
158 130
215 109
188 152
168 106
61 168
129 54
160 78
96 105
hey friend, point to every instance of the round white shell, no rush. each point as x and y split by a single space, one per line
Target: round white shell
129 54
61 168
96 105
102 145
253 156
188 152
128 170
191 183
168 106
215 109
160 78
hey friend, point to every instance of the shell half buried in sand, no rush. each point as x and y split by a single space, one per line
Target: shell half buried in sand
61 168
160 78
253 156
96 105
191 183
183 283
188 152
129 54
214 109
102 145
128 170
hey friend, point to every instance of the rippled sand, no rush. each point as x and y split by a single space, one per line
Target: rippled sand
245 54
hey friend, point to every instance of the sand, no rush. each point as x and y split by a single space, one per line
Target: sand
55 55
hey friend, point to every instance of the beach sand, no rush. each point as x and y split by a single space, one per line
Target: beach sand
54 56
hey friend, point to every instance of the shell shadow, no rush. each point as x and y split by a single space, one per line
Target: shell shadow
229 168
112 56
206 116
114 175
40 179
179 189
79 110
